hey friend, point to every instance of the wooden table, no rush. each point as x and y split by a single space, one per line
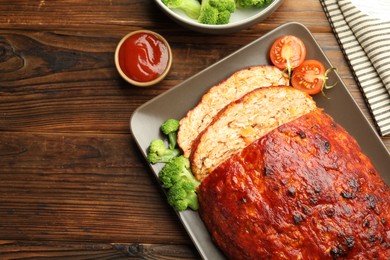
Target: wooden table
73 183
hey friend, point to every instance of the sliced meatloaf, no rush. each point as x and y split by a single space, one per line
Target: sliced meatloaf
303 191
243 121
234 87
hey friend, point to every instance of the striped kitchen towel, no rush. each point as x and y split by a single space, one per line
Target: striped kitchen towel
363 32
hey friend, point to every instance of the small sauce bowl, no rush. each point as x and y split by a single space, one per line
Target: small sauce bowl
143 58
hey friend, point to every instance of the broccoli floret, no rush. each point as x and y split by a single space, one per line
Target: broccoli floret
177 169
216 11
190 7
170 128
176 176
209 15
223 17
159 153
252 3
183 195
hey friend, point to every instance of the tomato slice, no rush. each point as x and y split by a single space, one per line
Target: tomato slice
309 77
288 52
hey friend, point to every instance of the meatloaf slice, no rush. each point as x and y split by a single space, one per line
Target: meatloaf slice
303 191
243 121
234 87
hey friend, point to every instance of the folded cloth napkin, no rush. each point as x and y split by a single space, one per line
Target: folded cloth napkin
363 32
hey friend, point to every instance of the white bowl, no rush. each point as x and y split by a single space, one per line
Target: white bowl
240 19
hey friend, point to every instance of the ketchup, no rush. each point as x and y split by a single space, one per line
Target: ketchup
143 57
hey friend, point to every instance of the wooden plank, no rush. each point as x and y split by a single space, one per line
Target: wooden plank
48 249
72 187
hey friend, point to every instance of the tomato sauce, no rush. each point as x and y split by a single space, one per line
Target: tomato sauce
143 57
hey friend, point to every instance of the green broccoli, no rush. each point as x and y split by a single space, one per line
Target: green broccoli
176 176
159 153
177 169
252 3
170 128
190 7
216 11
183 195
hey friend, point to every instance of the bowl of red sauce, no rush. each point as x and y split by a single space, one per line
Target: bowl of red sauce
143 58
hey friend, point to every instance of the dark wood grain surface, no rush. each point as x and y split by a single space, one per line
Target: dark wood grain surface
72 181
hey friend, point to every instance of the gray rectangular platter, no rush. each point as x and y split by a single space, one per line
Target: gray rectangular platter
175 103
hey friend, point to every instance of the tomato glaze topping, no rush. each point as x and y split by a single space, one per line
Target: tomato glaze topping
143 57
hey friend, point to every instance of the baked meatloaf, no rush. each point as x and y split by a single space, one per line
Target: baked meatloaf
303 191
234 87
243 121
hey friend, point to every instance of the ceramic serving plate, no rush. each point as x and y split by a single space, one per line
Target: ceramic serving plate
175 103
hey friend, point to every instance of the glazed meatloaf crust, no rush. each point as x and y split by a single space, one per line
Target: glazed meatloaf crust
243 121
234 87
303 191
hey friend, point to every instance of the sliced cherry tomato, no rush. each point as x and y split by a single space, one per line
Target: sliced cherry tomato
287 53
310 77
